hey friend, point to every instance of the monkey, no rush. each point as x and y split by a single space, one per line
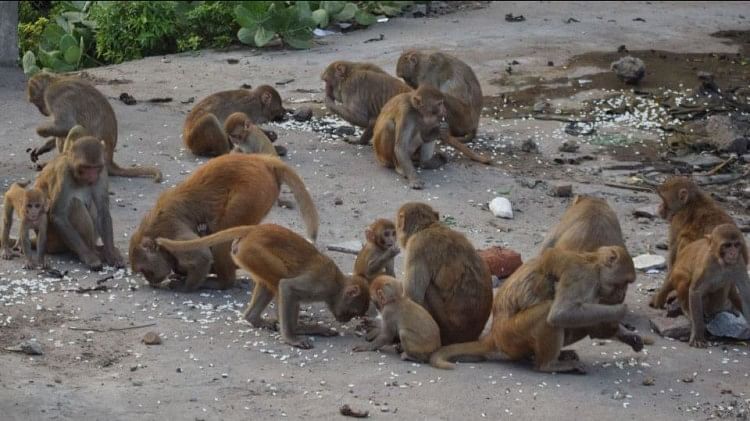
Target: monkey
227 191
455 79
249 138
703 275
444 273
72 101
376 257
77 186
286 266
358 91
692 214
537 306
408 124
203 132
31 208
418 333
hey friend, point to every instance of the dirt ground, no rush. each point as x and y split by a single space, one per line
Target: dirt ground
212 366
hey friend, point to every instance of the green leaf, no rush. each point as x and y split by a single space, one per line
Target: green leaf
247 35
300 44
32 70
347 13
263 36
365 19
320 17
303 9
28 60
332 7
251 14
51 37
72 55
389 10
67 41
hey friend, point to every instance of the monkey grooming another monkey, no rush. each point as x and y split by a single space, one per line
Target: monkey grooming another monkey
444 274
408 124
537 306
404 319
228 191
71 101
77 185
376 257
31 209
358 91
286 266
692 214
247 137
455 79
704 275
203 132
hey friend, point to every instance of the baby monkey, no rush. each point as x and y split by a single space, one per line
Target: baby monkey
376 257
31 208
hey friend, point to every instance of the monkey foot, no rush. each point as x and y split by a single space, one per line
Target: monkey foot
568 355
635 341
416 184
271 135
280 150
270 324
571 367
299 343
316 330
698 343
8 255
438 160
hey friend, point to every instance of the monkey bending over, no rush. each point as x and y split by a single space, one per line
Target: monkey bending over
376 257
247 137
228 191
286 266
31 209
69 102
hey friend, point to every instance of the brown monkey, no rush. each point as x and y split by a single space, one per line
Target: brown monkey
376 257
444 274
203 132
358 91
535 309
246 136
71 101
405 320
692 214
231 190
408 124
288 267
31 209
704 275
77 185
455 79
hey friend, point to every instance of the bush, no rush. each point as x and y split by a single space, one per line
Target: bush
210 24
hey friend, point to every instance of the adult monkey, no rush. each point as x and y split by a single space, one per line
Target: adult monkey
444 274
455 79
228 191
72 101
78 189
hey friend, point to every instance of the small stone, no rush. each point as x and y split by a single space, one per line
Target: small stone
570 147
501 261
649 212
688 379
232 61
550 63
137 383
541 106
646 262
529 146
629 69
661 245
729 325
560 190
179 370
501 207
28 348
151 338
345 131
303 114
648 381
618 395
133 368
338 201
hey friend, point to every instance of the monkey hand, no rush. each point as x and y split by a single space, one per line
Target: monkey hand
34 155
43 265
114 258
416 184
393 251
92 261
444 130
697 341
7 254
298 343
635 341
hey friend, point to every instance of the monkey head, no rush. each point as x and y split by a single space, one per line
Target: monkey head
272 108
616 271
151 261
675 194
413 217
406 67
237 126
332 76
353 300
86 158
382 233
34 205
35 89
728 245
385 290
430 104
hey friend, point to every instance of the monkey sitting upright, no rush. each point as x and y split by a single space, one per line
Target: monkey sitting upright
376 257
31 208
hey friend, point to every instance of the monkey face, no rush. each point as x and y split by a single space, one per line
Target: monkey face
388 238
87 174
730 251
34 210
150 262
617 271
354 300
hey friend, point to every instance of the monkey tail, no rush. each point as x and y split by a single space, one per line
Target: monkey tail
481 348
452 141
306 205
207 241
116 170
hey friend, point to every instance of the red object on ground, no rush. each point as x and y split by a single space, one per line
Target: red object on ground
501 261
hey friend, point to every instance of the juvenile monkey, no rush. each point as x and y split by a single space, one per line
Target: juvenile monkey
31 209
535 309
203 132
376 257
704 275
358 91
247 137
69 102
444 274
288 267
408 124
455 79
228 191
404 319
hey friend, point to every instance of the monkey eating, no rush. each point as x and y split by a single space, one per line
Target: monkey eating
358 91
72 101
376 257
455 79
77 185
249 138
286 266
409 124
31 209
703 276
228 191
204 133
404 319
444 273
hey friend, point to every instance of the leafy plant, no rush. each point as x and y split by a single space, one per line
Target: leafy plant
263 21
210 22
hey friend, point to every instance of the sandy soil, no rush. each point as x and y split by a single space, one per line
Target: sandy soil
212 366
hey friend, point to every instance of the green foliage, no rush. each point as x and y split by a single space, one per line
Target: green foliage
263 21
209 24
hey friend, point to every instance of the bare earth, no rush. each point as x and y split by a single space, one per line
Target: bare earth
213 366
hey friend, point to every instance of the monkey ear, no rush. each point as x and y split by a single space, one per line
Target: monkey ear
369 234
416 100
248 124
683 195
340 70
611 257
412 57
352 291
381 297
266 98
149 244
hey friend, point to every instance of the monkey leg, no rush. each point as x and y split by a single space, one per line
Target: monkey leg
207 137
429 159
54 129
197 265
288 302
742 282
224 267
660 298
262 296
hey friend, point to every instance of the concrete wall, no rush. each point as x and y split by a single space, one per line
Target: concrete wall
9 33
